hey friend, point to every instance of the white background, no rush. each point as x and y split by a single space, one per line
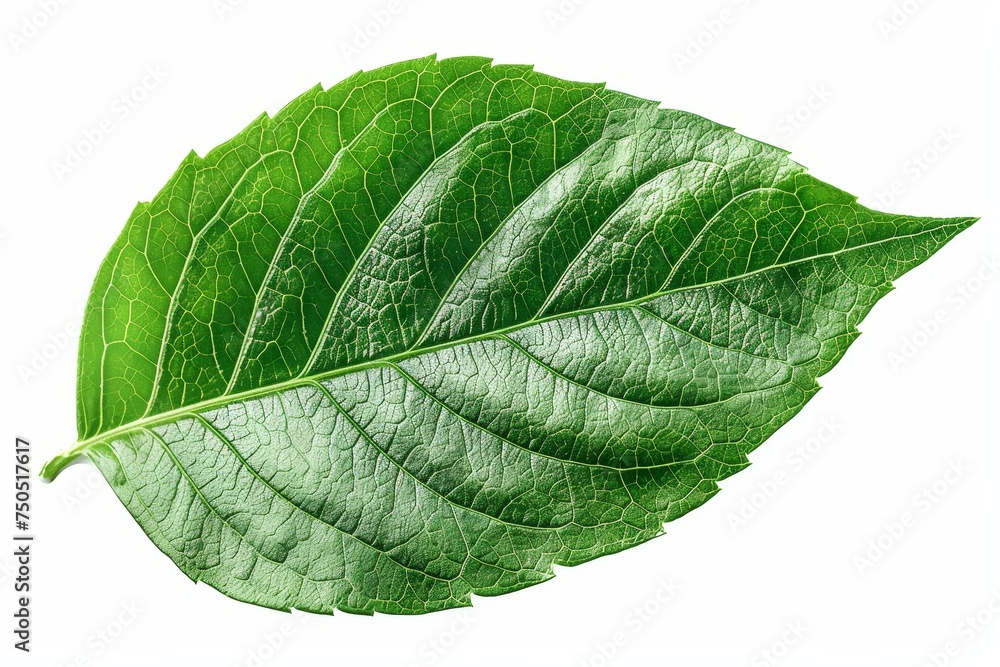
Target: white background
880 99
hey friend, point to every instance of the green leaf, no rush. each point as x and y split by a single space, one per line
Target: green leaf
446 324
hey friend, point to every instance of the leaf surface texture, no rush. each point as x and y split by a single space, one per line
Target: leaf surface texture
430 331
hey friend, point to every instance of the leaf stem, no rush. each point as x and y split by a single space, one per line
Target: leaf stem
59 463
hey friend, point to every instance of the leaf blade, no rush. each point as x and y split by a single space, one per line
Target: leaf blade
465 343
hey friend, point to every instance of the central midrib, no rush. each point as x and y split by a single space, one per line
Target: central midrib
305 380
225 399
